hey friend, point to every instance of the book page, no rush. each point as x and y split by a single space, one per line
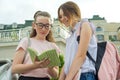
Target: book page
33 53
51 54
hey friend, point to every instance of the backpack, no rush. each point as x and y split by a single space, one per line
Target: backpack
107 64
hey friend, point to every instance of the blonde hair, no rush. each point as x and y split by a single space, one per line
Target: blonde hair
49 37
71 10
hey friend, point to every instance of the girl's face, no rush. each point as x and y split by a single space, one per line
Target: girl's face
63 18
42 26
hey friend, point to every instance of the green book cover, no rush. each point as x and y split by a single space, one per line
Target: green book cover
51 54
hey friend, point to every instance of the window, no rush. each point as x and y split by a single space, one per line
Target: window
99 29
112 37
100 37
118 29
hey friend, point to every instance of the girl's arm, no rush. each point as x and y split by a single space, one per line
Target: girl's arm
62 74
19 67
85 36
54 71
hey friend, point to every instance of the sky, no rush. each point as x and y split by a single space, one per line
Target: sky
20 10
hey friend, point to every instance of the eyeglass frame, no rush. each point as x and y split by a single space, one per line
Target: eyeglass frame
41 25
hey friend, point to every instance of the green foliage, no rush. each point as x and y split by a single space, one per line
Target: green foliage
61 57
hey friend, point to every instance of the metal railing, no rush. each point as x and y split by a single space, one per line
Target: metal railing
16 35
12 35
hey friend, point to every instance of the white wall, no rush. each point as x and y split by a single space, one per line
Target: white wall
7 52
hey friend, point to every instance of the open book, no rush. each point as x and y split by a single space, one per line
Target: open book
51 54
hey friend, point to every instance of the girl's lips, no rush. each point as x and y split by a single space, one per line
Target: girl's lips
42 33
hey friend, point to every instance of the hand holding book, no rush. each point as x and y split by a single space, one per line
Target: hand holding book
43 63
50 54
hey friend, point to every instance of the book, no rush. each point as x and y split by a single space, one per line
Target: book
51 54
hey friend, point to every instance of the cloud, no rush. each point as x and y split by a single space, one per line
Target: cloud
21 10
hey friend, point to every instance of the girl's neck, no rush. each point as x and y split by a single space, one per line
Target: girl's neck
74 21
38 38
73 24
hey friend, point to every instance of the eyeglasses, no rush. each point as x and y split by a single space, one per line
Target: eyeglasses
41 25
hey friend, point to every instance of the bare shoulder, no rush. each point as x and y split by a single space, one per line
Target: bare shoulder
53 44
86 24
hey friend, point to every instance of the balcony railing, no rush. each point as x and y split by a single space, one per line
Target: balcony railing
12 35
60 32
15 35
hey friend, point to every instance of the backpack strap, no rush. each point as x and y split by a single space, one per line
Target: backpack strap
88 54
100 53
90 57
29 43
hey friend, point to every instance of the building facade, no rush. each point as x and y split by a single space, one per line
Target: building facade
107 31
10 35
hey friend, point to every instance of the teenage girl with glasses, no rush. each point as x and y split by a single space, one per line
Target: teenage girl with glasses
41 40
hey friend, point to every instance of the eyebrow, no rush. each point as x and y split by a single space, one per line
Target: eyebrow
42 23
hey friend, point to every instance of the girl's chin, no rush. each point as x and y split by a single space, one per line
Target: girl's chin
66 25
42 35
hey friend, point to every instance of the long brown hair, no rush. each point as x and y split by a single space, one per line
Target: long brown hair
49 37
71 10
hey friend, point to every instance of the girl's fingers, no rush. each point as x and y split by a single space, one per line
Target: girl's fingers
44 63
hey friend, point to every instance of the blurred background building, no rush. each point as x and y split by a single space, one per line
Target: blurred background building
11 34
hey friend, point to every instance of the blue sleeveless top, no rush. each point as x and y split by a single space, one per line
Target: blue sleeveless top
72 46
